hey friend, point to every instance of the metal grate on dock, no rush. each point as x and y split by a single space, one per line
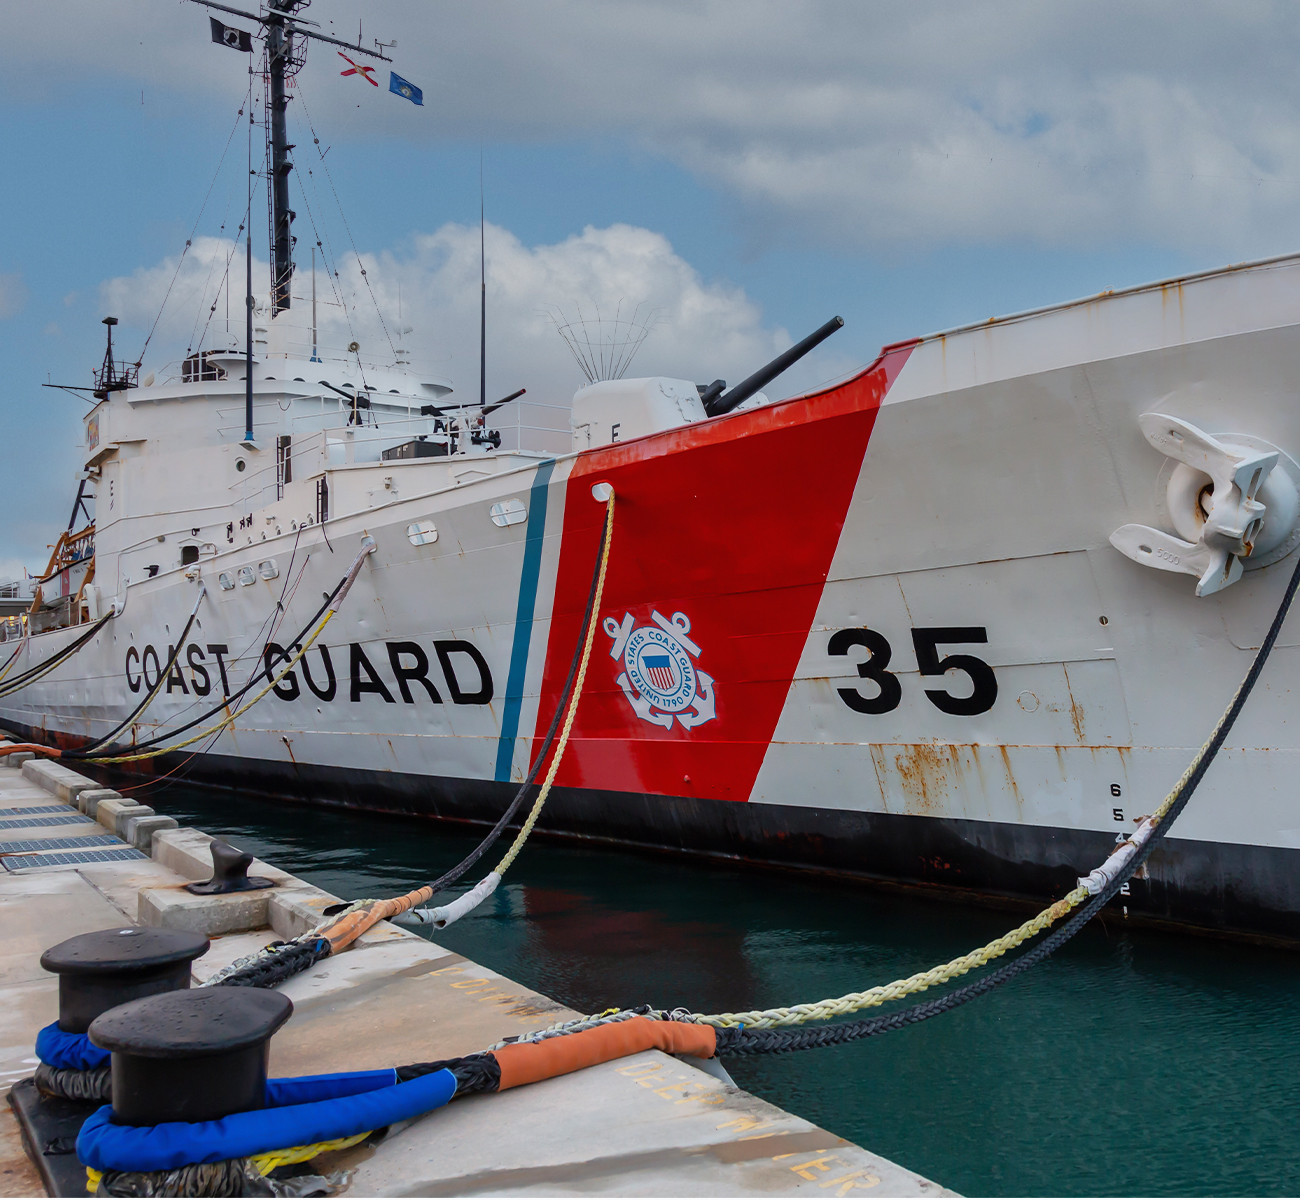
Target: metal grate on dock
70 857
64 843
72 818
44 808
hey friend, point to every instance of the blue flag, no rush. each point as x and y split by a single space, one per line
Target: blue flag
403 88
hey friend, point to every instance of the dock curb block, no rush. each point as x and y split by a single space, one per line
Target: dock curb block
175 908
106 812
139 831
124 815
56 778
88 801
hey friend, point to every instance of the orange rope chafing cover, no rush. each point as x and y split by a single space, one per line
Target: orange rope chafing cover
532 1061
31 748
347 929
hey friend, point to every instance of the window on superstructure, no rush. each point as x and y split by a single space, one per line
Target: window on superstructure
198 369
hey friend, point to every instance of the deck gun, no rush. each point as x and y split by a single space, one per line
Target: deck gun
716 402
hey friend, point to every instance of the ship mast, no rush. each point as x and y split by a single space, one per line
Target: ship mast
279 50
281 24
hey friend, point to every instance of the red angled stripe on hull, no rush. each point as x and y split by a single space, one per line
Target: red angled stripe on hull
732 523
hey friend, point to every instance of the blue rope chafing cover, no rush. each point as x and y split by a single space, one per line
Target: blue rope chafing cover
307 1089
326 1107
68 1051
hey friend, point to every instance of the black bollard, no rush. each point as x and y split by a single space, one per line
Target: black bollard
99 971
229 873
197 1055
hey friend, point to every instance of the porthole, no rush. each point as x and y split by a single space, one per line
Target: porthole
508 512
227 581
247 576
421 533
239 464
268 568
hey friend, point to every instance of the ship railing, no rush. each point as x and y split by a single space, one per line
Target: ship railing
195 367
116 375
59 615
532 425
304 455
302 349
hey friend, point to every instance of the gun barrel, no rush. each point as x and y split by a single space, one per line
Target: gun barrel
491 408
761 378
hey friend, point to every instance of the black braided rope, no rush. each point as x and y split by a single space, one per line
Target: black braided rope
285 963
296 957
449 877
95 1085
229 1177
149 694
9 686
739 1042
474 1072
226 701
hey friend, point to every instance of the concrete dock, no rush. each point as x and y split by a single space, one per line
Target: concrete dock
75 857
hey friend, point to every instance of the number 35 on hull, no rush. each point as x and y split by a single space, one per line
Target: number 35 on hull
883 691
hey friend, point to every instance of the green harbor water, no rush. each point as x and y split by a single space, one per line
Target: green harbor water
1131 1063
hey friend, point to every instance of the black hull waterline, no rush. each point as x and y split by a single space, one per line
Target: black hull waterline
1222 888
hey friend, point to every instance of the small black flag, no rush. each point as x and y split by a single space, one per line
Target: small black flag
236 39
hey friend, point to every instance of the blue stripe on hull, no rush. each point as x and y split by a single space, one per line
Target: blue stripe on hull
514 699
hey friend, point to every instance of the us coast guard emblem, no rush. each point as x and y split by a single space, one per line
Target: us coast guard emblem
660 678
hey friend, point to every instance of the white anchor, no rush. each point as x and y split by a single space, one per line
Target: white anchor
1247 511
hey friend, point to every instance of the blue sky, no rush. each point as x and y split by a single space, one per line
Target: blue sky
910 167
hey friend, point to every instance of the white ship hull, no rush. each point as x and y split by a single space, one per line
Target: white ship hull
956 498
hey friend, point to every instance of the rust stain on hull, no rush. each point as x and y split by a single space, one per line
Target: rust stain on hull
928 774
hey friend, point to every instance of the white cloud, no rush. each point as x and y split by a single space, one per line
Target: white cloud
700 330
13 295
179 293
860 124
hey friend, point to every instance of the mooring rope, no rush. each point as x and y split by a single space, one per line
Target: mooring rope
274 679
231 717
22 642
443 916
274 964
32 674
154 746
760 1031
262 673
163 676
